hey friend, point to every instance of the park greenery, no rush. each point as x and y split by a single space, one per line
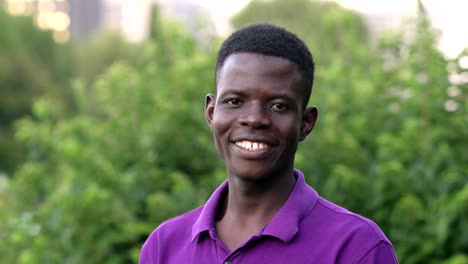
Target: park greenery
101 142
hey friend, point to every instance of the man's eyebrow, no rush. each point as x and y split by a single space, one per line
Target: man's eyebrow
233 92
281 96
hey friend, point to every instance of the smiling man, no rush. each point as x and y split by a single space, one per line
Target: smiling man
265 212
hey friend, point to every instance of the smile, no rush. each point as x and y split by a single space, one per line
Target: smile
251 146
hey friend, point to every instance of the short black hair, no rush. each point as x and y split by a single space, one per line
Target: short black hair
270 40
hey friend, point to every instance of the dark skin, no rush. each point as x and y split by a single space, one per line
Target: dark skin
257 119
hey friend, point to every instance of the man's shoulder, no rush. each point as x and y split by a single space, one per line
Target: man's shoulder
346 223
169 237
178 226
352 236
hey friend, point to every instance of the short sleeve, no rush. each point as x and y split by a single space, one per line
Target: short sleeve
145 254
382 253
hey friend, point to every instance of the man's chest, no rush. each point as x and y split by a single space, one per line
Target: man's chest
262 250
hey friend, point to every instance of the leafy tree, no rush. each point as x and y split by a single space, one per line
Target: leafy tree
93 56
387 146
134 154
31 65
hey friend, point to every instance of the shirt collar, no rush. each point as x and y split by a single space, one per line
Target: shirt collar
206 220
284 225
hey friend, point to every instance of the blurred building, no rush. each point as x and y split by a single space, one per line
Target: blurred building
78 19
196 19
85 16
48 15
130 18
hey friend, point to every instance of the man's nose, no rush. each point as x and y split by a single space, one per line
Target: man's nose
256 116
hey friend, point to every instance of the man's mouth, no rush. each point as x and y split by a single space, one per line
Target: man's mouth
251 145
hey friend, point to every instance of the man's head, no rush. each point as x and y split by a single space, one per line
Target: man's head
270 40
259 115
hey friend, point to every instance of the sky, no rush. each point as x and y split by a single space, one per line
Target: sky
449 16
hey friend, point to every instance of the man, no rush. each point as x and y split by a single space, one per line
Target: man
264 212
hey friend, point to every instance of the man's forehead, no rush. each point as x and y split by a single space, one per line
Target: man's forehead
251 72
246 61
246 57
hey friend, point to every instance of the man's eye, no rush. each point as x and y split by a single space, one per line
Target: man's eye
279 107
233 101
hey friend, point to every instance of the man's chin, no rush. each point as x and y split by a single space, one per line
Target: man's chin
252 174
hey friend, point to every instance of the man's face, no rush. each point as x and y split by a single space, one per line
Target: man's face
257 117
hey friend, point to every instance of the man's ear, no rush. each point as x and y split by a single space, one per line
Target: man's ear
209 108
309 119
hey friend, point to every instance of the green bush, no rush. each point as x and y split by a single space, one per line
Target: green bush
31 65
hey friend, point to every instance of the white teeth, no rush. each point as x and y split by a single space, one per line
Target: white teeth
252 146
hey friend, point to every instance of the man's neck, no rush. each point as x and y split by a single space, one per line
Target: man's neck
250 206
250 198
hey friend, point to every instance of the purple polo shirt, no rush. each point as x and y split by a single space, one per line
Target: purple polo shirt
307 229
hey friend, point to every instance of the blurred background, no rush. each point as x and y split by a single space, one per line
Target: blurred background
103 137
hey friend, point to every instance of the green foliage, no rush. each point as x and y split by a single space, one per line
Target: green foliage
31 65
102 179
20 36
390 146
94 55
390 143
